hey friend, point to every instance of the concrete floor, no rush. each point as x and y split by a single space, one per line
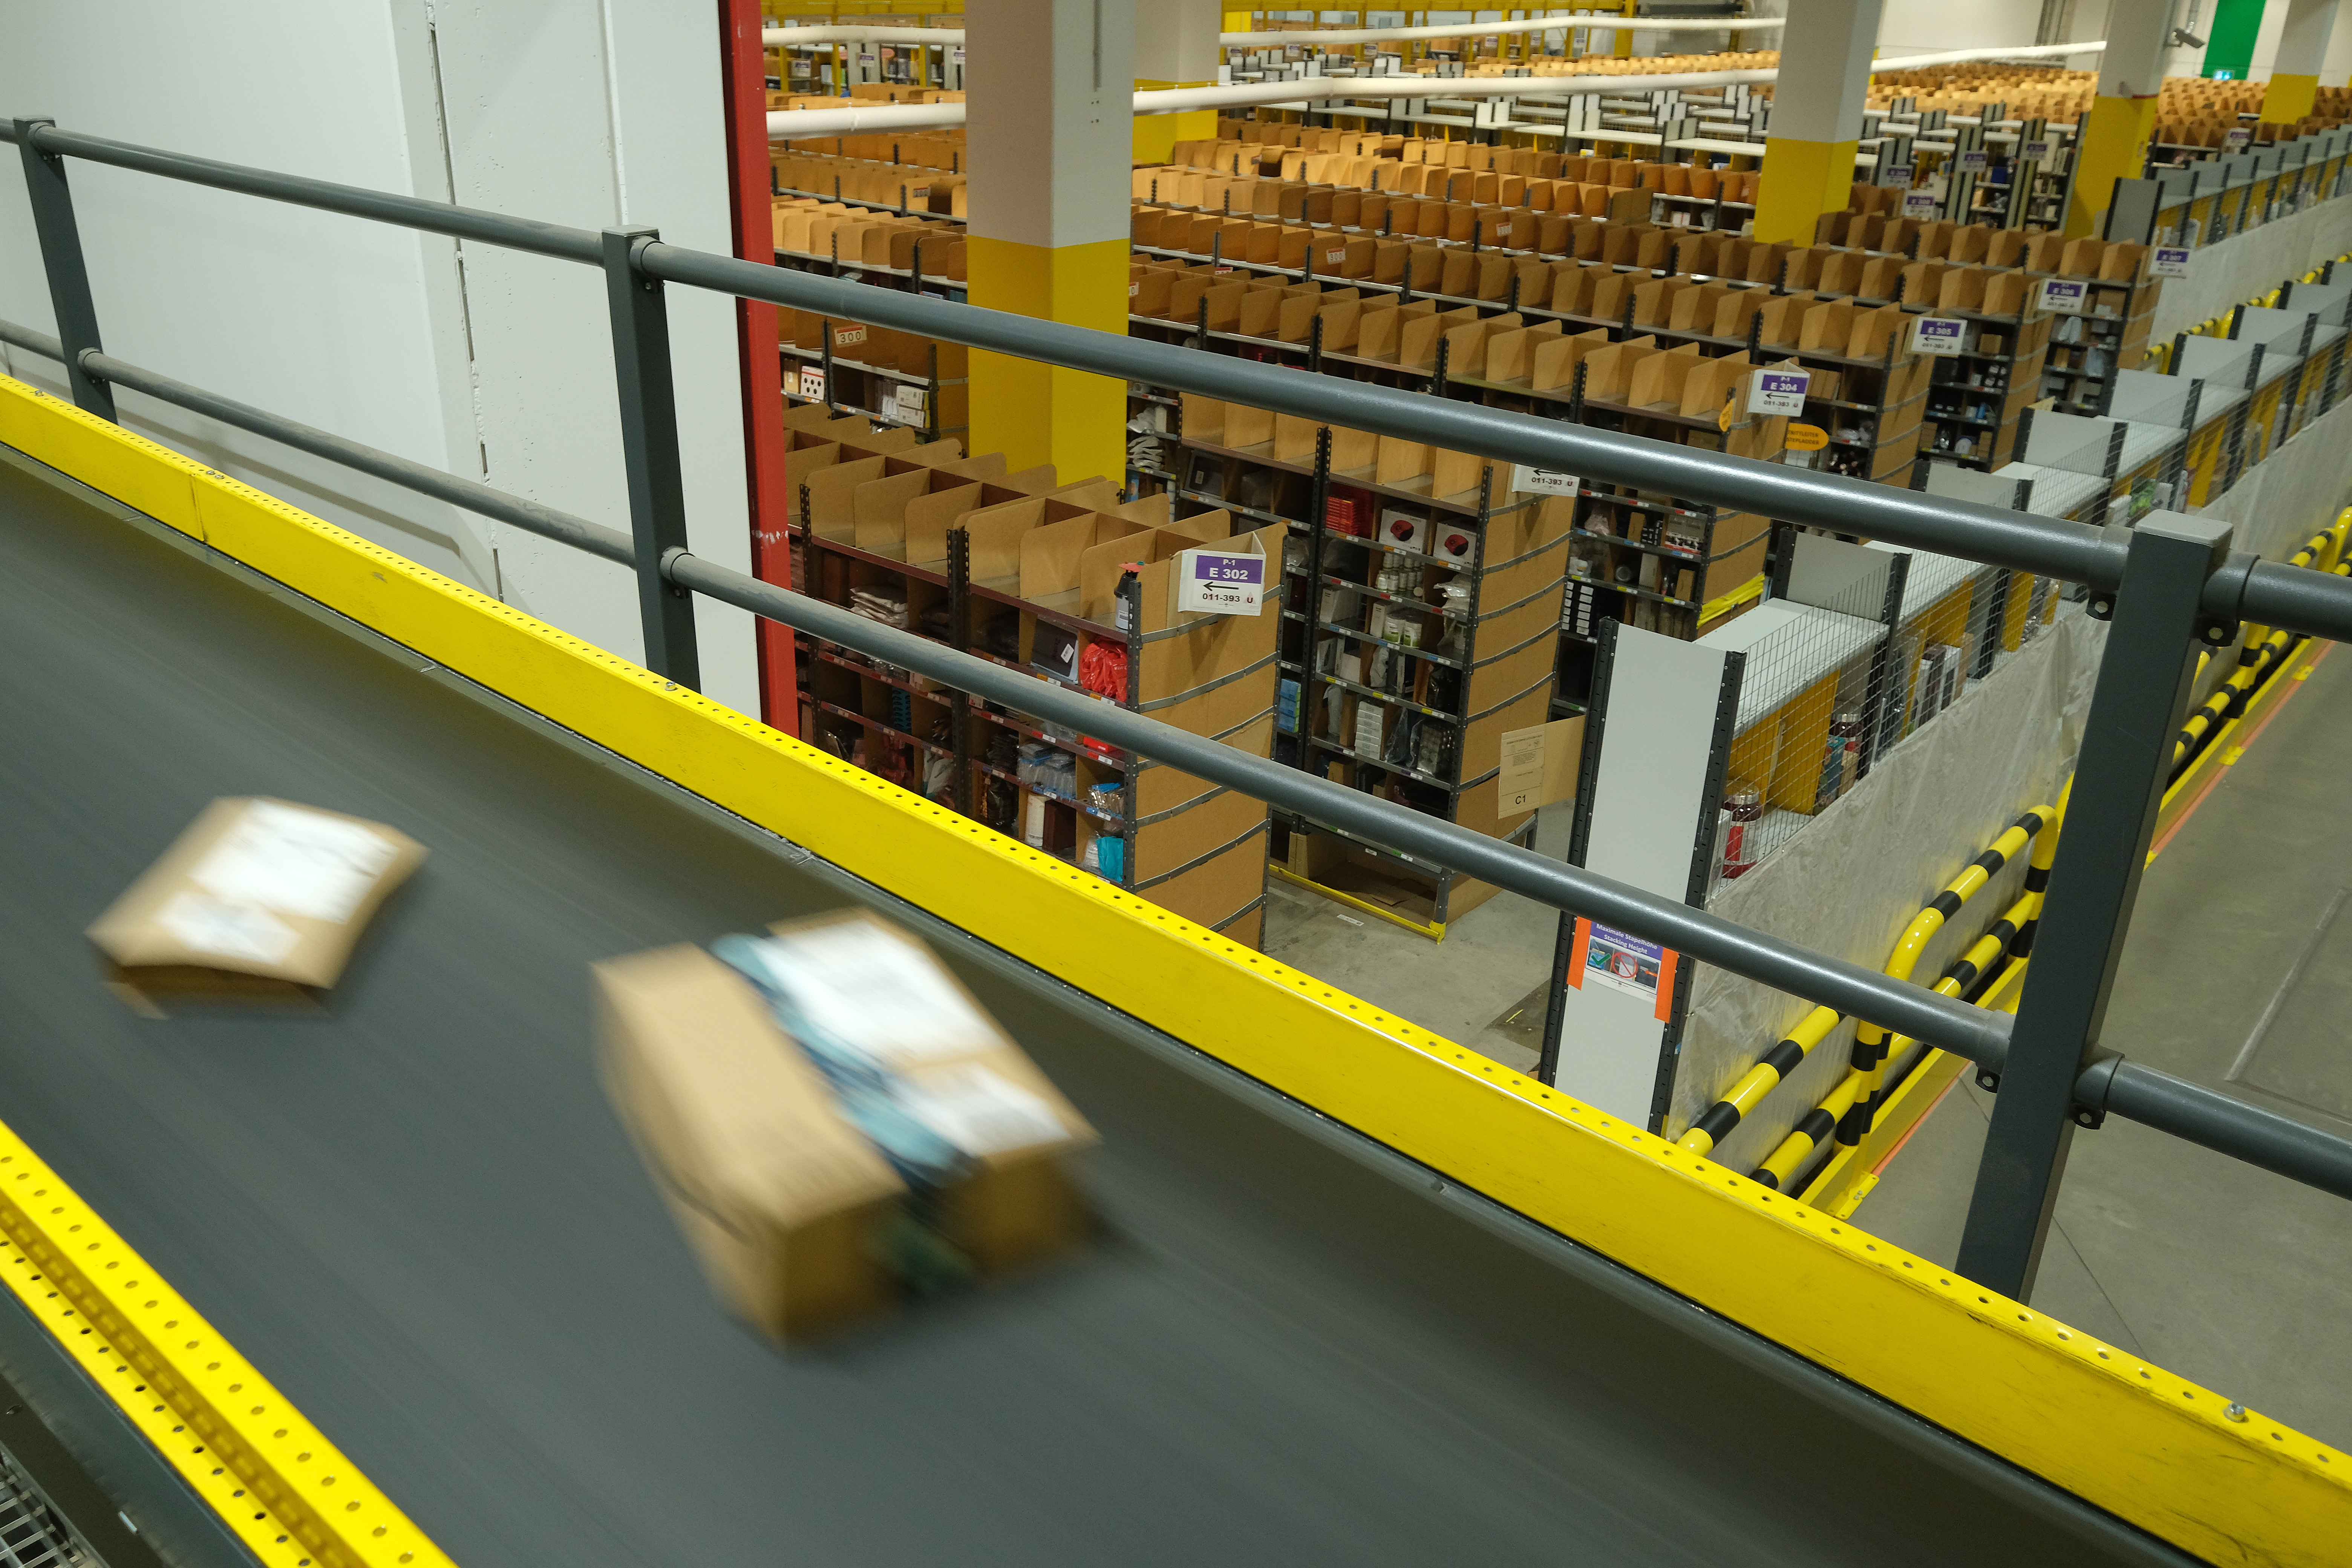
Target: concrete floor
2238 975
2226 1275
1490 961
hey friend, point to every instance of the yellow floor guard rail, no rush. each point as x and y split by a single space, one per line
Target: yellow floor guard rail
1857 1097
286 1492
2129 1437
1847 1108
1853 1109
2261 655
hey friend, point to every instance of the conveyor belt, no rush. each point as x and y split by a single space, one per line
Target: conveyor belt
418 1216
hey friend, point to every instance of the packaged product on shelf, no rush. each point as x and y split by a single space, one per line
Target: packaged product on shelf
835 1123
258 901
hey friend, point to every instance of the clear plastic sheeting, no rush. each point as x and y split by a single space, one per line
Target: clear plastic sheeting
2278 502
1927 808
2248 265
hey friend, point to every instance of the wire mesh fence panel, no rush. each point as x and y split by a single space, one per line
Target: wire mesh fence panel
1812 697
31 1534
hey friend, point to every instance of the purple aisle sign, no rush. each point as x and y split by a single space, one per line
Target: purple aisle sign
1774 393
1934 335
2169 261
2057 294
1216 581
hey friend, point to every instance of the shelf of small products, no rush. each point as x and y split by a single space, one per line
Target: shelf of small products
1066 584
1420 611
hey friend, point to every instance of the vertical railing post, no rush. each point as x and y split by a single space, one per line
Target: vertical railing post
641 365
61 238
2137 707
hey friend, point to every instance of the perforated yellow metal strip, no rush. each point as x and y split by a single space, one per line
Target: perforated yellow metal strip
2128 1436
240 1445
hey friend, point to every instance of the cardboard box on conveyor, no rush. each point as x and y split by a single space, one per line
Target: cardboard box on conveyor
834 1122
259 900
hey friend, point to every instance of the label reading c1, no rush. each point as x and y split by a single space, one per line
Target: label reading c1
1936 335
1778 392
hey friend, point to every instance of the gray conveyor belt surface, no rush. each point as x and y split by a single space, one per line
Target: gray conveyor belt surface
418 1216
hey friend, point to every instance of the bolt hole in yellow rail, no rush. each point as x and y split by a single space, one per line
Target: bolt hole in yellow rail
2133 1440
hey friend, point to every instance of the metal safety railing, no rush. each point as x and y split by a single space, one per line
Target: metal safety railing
2169 585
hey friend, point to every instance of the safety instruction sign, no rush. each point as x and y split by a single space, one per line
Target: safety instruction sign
1618 960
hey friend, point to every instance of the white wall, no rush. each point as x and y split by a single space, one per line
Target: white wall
1926 26
490 364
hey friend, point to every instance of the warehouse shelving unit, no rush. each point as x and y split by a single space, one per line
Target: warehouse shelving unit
1418 612
1013 570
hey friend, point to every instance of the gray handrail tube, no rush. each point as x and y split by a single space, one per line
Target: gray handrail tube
2023 542
554 239
470 494
2184 1109
2277 595
40 343
2049 546
2195 1114
1972 1032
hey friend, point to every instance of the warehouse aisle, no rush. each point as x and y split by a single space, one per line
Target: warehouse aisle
2237 975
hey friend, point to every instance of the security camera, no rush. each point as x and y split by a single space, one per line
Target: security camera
2182 38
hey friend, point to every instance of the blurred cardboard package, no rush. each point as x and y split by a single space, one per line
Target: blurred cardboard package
893 1141
259 900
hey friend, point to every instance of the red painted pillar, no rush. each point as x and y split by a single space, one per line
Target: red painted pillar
745 80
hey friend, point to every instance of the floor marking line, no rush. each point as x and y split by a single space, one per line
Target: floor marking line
2286 987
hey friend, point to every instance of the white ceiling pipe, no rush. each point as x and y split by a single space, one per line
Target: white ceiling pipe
793 37
1954 57
862 119
789 124
1525 25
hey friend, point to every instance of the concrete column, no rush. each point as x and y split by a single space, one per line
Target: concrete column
2113 144
1825 54
1175 45
1048 106
2294 74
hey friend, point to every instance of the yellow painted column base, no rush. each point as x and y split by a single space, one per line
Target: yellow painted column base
2289 97
1043 413
2113 147
1803 180
1156 135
